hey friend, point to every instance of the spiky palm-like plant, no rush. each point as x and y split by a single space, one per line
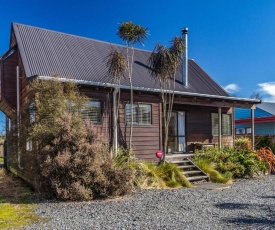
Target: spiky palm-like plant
131 34
117 65
164 63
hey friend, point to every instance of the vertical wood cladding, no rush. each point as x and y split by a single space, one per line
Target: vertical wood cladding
12 39
9 79
23 81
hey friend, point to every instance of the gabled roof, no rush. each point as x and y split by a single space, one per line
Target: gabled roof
268 107
45 52
264 112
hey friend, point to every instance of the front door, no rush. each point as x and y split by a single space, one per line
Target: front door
177 139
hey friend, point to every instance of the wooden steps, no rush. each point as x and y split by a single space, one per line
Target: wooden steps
191 171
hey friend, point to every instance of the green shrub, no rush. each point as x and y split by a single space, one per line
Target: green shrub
234 161
263 142
243 143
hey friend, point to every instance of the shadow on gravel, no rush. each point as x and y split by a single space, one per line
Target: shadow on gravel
262 215
259 221
268 197
233 206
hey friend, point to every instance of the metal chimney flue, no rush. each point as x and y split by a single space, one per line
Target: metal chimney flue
185 57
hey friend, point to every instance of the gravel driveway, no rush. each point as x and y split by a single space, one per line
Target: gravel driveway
248 204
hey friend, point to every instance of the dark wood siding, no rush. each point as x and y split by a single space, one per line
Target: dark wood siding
198 125
23 81
9 79
104 129
12 40
146 138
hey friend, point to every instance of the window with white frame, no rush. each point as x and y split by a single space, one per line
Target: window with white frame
92 111
142 114
226 124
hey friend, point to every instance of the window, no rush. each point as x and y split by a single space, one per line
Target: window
226 124
240 131
92 111
142 114
32 113
9 124
29 145
243 131
248 130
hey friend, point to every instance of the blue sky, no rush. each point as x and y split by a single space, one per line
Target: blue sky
232 40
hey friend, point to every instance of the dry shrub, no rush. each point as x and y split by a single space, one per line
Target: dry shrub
67 160
73 167
265 154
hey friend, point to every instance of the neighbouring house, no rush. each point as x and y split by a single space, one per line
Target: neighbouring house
264 119
202 112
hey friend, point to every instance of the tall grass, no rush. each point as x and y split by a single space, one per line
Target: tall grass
214 175
149 174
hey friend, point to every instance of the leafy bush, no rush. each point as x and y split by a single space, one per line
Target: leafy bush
235 161
266 155
264 141
243 143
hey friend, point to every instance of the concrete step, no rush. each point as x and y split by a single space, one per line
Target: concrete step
178 161
196 178
178 156
191 172
187 166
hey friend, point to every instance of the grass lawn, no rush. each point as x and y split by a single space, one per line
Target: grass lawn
16 208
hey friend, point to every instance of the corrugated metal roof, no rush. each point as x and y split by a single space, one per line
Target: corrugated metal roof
45 52
268 107
246 113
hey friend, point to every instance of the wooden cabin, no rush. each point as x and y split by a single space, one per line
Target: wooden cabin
202 112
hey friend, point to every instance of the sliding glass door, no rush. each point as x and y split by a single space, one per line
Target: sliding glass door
177 139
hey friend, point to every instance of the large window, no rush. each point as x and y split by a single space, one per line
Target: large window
226 124
92 111
142 114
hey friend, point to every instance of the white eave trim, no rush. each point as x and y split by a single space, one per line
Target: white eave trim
110 85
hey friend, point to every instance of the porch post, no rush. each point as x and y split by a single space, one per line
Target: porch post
115 144
220 127
252 127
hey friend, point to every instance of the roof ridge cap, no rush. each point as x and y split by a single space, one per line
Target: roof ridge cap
82 37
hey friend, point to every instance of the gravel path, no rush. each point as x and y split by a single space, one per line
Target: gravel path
248 204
